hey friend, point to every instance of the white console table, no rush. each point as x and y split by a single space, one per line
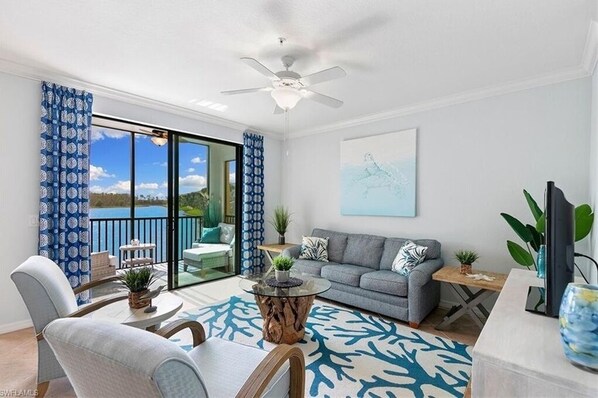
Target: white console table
519 354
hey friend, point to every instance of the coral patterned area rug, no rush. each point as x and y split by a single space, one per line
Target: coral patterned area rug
349 353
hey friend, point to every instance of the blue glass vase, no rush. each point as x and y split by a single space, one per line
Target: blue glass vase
578 320
541 262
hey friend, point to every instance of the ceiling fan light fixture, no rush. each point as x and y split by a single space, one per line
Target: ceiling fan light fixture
159 141
286 97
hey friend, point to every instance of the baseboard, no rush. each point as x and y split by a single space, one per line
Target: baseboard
446 304
11 327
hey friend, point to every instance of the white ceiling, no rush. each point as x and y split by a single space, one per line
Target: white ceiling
396 53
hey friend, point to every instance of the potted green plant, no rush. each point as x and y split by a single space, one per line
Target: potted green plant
280 222
282 266
138 280
466 258
532 234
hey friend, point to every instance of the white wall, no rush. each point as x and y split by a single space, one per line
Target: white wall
473 160
19 176
19 189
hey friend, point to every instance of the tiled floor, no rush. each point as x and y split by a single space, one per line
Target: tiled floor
18 362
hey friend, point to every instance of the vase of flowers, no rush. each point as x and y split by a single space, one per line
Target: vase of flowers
137 281
466 258
282 268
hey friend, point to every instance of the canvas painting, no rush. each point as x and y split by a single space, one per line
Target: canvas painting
378 175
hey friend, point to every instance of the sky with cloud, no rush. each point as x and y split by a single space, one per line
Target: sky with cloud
109 169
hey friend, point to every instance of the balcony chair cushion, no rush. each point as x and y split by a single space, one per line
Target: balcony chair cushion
227 232
210 235
215 357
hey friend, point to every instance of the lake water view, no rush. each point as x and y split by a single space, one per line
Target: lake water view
111 228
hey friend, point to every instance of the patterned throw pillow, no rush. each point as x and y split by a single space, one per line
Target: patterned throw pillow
313 248
408 257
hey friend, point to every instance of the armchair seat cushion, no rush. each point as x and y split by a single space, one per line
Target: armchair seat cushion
385 281
347 274
215 358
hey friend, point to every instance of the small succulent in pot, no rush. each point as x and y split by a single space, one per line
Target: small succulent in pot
282 266
466 258
138 280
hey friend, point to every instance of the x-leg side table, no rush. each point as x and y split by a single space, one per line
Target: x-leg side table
468 300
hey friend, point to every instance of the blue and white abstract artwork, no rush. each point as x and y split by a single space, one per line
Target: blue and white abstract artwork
378 175
349 353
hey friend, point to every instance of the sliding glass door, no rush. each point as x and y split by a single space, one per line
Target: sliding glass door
164 190
204 204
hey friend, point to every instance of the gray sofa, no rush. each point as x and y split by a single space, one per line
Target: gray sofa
359 270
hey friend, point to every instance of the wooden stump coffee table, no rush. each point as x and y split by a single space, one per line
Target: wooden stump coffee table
284 310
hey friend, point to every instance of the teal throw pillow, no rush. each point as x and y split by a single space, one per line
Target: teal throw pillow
210 235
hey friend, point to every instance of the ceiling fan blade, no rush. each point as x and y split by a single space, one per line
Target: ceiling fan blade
278 110
246 90
260 68
335 72
321 98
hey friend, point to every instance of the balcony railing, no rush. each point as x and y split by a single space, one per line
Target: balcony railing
111 233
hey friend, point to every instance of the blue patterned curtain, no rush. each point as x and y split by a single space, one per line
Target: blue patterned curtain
252 259
64 195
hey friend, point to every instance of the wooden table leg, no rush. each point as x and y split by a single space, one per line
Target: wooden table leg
284 317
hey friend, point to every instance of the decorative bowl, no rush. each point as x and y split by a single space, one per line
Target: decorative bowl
578 319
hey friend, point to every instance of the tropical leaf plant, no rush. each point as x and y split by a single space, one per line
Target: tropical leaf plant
533 235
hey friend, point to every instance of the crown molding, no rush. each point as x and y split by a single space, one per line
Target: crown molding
590 51
468 96
39 74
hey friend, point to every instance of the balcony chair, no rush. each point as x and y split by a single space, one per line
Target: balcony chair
48 295
110 360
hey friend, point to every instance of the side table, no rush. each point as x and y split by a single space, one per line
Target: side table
119 312
461 284
128 258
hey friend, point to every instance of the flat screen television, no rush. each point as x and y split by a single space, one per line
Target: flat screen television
560 247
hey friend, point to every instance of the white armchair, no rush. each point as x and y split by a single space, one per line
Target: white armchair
48 296
111 360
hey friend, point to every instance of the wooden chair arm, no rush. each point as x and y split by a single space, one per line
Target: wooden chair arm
97 305
90 308
95 283
199 335
262 375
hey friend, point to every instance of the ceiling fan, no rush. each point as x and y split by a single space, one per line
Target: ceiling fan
289 87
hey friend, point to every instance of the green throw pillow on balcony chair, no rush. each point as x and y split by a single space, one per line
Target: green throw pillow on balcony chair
210 235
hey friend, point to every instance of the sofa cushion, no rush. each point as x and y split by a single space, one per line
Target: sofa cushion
364 250
385 281
311 267
392 246
314 248
337 243
347 274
